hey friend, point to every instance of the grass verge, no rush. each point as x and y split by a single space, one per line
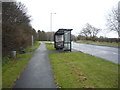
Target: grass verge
99 43
30 49
50 46
80 70
13 68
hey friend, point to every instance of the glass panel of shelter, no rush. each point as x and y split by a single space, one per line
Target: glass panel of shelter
67 40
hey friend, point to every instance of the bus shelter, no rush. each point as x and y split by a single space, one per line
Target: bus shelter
62 39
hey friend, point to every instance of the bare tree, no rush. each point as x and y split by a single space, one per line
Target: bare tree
94 31
113 19
73 37
89 31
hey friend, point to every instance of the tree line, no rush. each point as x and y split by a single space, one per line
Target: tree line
16 28
45 36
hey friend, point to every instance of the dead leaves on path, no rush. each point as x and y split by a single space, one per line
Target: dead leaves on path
88 87
57 85
80 73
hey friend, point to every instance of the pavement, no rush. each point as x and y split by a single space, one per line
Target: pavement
105 52
38 73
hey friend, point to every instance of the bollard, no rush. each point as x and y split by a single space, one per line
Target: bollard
13 54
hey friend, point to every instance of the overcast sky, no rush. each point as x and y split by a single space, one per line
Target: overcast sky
70 14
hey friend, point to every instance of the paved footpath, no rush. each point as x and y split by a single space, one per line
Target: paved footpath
38 73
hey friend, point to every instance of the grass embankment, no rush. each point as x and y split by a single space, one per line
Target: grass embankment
99 43
31 49
80 70
13 68
50 46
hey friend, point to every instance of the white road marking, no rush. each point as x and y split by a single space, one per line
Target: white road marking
114 53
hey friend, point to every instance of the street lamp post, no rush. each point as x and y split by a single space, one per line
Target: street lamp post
51 25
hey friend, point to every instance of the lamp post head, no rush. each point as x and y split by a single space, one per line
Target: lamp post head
52 13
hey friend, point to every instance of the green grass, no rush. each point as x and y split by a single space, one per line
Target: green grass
6 58
14 67
50 46
30 49
78 70
12 70
99 43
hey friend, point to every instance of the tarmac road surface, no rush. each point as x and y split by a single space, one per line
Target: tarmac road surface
109 53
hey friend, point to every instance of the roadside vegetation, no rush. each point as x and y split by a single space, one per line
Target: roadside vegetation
50 46
16 28
114 44
31 49
80 70
12 69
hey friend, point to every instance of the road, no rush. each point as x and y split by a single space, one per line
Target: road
109 53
